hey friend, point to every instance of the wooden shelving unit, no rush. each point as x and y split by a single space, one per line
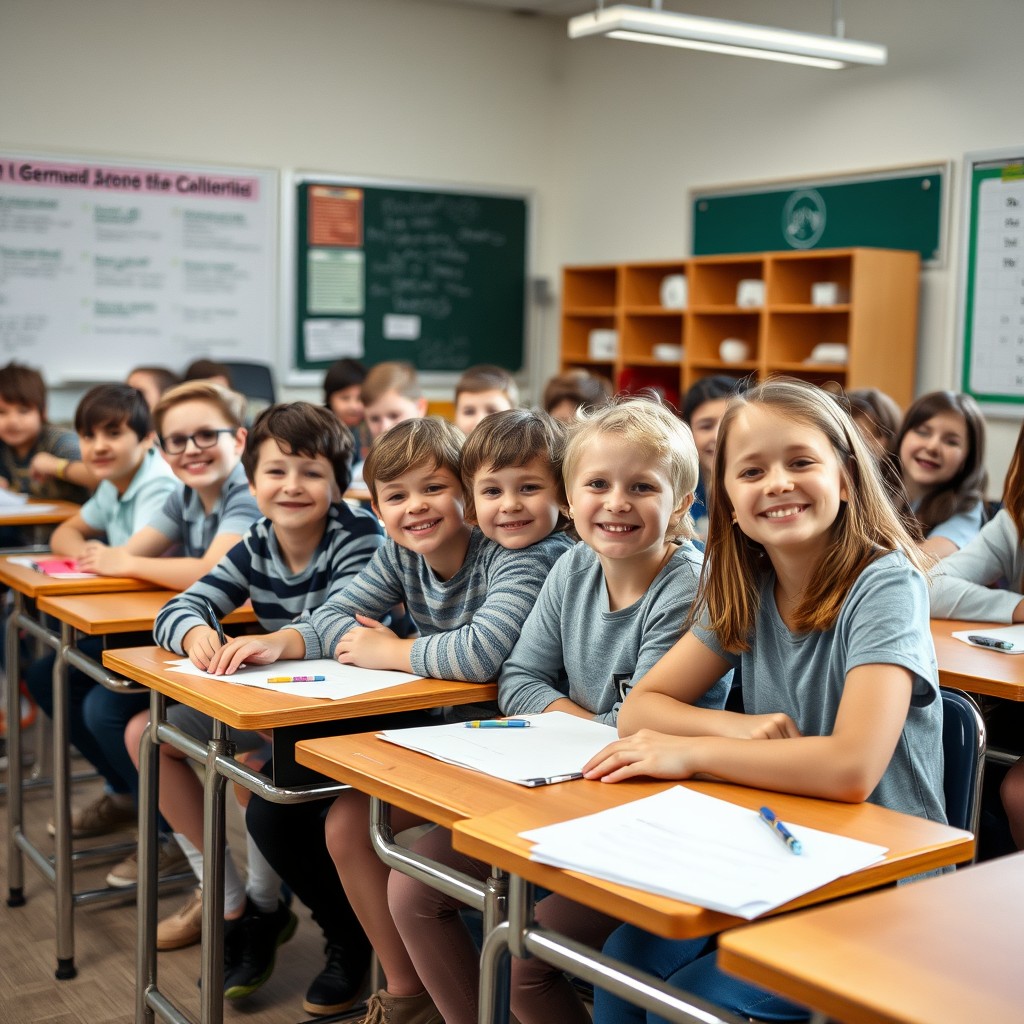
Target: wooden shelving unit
878 323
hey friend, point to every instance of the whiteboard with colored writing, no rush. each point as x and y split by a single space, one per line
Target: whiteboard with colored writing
991 353
106 264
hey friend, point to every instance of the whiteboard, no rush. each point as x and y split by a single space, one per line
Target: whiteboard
991 287
106 264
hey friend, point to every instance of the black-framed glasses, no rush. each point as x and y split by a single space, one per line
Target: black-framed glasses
175 444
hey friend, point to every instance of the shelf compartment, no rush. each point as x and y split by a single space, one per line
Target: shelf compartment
641 283
664 378
715 282
641 332
708 330
590 288
576 335
790 277
791 337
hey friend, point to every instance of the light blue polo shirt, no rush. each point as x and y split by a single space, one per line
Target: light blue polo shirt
120 515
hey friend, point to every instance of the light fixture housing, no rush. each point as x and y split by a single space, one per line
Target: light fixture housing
736 38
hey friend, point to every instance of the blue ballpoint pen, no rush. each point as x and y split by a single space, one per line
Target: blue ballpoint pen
767 815
214 621
499 723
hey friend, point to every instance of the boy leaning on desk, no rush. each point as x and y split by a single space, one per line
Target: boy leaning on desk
306 548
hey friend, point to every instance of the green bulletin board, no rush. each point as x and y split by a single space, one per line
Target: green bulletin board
991 355
389 271
890 210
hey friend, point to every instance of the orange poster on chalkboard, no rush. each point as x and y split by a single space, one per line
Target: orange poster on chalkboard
336 216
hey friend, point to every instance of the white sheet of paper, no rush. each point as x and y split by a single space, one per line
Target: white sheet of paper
341 680
555 745
1010 634
697 848
12 499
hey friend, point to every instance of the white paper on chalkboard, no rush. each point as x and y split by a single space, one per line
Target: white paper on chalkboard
112 263
333 339
401 327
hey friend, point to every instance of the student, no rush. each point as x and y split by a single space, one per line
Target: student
391 394
703 408
481 391
208 369
199 427
152 381
876 416
343 384
36 458
567 392
817 591
608 611
115 431
307 548
468 597
940 452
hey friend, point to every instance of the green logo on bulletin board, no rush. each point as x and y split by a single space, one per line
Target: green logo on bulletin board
803 218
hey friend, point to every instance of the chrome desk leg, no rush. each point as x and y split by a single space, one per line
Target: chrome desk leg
64 878
149 801
212 999
15 805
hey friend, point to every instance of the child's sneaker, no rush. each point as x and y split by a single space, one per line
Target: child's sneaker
384 1008
250 946
338 985
108 813
184 927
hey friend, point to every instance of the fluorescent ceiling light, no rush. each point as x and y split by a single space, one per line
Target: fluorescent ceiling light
736 38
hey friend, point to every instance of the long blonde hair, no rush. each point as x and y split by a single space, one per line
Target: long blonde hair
866 527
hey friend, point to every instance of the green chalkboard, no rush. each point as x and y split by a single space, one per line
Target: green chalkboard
901 210
389 271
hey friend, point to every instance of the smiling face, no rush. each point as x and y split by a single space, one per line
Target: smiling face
704 424
423 510
622 502
347 406
114 452
295 492
20 426
392 408
783 481
202 469
472 406
518 505
933 452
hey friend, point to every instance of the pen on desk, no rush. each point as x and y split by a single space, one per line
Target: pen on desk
767 815
499 723
987 641
213 621
550 780
297 679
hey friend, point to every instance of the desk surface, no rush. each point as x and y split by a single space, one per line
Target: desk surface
23 515
941 950
973 668
131 612
487 814
35 584
246 707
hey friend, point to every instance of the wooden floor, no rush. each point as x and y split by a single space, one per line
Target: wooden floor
104 990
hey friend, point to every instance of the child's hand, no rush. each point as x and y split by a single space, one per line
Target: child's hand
646 752
774 726
245 650
369 645
200 644
44 465
98 558
5 484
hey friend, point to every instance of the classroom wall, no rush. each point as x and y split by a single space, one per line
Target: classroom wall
608 135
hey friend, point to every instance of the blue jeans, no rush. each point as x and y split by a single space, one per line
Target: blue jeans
689 965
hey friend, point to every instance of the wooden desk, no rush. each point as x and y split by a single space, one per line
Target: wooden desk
946 949
975 669
30 514
246 708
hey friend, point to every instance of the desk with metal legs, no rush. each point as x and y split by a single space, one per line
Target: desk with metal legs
244 708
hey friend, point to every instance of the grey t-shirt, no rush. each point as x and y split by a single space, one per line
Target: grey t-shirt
884 620
572 645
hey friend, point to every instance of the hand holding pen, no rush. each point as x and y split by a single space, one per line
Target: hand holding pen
202 642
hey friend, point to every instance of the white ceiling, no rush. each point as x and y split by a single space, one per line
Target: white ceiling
553 8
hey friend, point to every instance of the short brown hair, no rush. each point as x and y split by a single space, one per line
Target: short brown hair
429 440
163 378
301 428
204 369
487 377
23 385
513 438
113 405
587 390
393 376
230 404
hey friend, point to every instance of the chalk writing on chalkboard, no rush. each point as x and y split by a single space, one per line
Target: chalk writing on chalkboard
434 277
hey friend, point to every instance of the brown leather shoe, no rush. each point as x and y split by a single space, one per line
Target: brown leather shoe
184 927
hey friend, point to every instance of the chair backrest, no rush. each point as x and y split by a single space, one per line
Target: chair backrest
963 746
254 380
